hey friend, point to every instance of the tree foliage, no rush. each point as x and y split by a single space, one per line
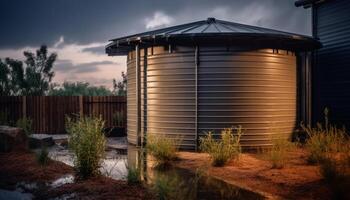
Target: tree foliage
120 87
78 89
33 78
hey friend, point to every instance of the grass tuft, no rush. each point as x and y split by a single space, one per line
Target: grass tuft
278 153
134 175
87 141
162 148
324 139
225 149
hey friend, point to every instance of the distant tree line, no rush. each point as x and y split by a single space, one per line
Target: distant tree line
33 78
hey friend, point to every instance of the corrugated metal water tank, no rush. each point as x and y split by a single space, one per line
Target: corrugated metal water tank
209 75
252 88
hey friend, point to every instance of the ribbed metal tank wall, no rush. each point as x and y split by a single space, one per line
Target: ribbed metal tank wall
255 89
331 70
131 98
252 88
171 94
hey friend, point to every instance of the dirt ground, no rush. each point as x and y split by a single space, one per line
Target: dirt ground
297 180
18 167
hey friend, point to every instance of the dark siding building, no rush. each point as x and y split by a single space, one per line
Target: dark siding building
331 63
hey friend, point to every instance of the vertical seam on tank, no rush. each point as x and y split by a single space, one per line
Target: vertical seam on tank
196 96
144 112
138 137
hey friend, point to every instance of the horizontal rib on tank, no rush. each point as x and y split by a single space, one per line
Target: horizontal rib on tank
255 89
131 99
171 95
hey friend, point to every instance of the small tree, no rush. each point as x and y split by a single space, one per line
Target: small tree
33 79
120 87
39 71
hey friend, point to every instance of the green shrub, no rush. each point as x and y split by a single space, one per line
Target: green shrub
87 141
221 151
42 156
134 175
278 153
324 139
162 148
25 124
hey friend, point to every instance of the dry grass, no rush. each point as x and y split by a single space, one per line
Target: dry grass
223 150
162 148
87 141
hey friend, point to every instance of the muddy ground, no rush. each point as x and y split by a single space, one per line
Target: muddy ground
18 167
297 180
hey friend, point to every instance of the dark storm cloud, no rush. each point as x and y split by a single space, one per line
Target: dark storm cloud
31 23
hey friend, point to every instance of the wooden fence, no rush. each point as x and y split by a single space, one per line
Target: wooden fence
48 112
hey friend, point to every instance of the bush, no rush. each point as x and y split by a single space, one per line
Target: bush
162 148
88 144
25 124
134 175
279 151
221 151
42 156
324 139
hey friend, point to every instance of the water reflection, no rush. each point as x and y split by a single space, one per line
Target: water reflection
168 182
175 183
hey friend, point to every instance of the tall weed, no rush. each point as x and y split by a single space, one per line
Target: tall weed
225 149
88 144
162 148
324 139
278 154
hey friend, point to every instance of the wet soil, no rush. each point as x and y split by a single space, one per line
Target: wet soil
296 180
22 166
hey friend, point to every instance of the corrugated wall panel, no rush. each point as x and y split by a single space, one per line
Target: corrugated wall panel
331 69
131 99
171 95
255 89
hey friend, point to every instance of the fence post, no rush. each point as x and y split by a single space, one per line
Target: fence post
24 106
81 106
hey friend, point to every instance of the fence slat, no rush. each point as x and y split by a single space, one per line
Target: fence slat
48 112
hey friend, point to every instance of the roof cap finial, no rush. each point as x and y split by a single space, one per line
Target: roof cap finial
210 20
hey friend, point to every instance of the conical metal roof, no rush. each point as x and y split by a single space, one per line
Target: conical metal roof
219 31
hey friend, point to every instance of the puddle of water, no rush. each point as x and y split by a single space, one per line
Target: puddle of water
66 197
14 195
62 181
171 183
175 183
114 164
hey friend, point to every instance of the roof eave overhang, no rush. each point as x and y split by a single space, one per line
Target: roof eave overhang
295 42
308 3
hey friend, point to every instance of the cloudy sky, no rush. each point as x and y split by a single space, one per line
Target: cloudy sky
78 30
